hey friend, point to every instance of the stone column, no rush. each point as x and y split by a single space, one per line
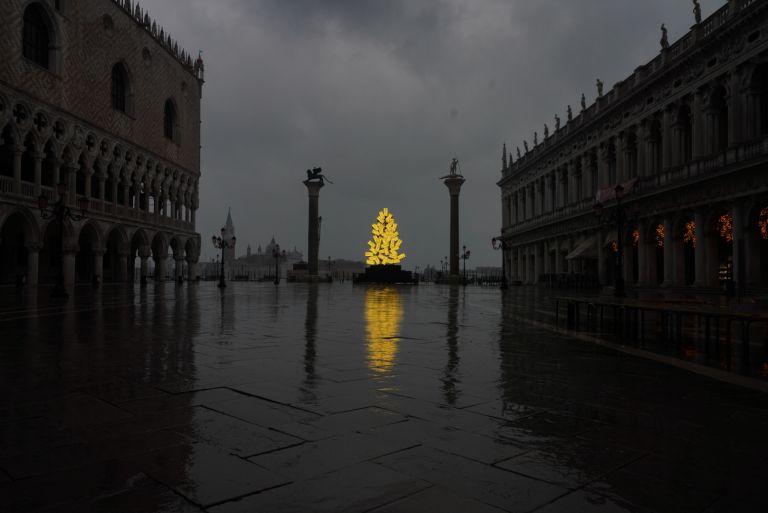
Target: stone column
122 267
160 264
98 265
313 224
69 266
701 139
178 270
700 251
102 190
38 156
72 182
33 263
454 183
643 254
739 246
669 252
18 151
144 254
667 142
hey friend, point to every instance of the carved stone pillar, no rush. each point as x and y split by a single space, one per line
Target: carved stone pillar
122 267
702 244
669 252
33 263
38 156
18 151
144 254
160 266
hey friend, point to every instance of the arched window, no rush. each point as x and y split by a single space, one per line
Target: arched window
169 124
37 36
119 88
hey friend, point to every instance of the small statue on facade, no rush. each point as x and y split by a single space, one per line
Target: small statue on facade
599 88
664 37
504 157
535 139
570 114
454 166
546 131
583 102
525 145
557 122
697 11
519 155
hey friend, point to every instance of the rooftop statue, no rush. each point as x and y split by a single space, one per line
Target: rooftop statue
519 155
546 131
697 11
316 175
525 145
454 166
583 102
570 114
557 122
664 37
599 88
535 139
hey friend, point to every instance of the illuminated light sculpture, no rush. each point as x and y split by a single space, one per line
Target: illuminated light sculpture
763 223
660 235
635 237
725 227
614 246
384 249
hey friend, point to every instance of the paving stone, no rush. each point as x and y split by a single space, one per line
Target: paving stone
315 458
439 499
590 502
487 484
262 413
571 464
205 475
233 435
354 489
184 400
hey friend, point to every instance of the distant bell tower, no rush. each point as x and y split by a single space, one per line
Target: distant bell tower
228 254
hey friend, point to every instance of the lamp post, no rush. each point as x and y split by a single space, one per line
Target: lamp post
618 217
277 255
220 242
60 211
500 243
465 256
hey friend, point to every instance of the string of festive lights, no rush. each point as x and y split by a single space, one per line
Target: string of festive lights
660 235
725 227
690 233
763 223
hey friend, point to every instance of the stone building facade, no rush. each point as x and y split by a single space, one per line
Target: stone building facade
686 136
99 105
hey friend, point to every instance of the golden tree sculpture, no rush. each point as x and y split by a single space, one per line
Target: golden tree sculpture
384 249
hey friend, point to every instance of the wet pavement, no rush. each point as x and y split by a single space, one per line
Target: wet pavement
339 398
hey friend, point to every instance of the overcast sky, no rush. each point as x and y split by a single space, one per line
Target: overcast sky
382 94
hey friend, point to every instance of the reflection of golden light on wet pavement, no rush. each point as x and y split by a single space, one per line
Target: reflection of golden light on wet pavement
383 315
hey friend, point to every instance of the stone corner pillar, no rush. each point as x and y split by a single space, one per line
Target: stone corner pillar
313 238
454 183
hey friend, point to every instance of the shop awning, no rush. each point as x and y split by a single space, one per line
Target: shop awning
585 249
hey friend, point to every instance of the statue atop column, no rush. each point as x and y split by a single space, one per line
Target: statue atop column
697 11
664 37
454 166
316 175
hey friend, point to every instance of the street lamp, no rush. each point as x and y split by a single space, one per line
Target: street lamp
60 211
222 243
500 243
618 217
277 255
465 256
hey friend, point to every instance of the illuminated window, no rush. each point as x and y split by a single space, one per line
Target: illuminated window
385 247
725 227
690 233
660 235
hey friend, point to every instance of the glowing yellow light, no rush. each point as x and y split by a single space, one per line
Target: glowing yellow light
725 227
383 315
384 249
660 235
690 233
614 246
763 223
635 237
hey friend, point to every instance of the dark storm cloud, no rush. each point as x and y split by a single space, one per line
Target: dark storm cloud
383 94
